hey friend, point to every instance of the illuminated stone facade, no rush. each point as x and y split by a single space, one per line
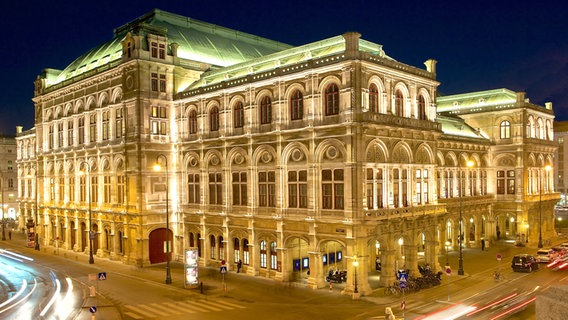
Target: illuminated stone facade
323 156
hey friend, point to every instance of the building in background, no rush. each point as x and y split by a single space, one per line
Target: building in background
330 155
8 184
561 181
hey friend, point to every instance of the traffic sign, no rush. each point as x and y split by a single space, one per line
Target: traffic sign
93 309
223 269
102 276
448 270
499 256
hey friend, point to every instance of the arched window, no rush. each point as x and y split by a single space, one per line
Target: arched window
192 122
265 110
212 246
221 247
246 255
505 132
398 104
296 105
421 108
273 256
237 249
214 119
263 254
331 100
238 115
373 98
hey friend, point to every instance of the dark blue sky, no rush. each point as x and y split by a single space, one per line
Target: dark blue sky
521 45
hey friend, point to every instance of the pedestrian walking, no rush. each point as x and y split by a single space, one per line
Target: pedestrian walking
482 244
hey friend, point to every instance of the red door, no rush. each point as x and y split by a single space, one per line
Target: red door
157 246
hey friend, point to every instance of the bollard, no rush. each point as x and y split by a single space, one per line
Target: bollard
201 287
330 286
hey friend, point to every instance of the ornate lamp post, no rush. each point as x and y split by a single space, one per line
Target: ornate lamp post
546 168
91 233
461 237
157 167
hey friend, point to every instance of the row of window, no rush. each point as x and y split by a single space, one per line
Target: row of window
539 131
78 135
331 108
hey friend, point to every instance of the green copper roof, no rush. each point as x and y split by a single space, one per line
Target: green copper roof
197 40
455 126
479 99
281 59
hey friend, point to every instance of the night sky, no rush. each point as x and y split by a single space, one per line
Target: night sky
520 45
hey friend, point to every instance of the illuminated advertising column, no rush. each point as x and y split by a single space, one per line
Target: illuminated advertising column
190 268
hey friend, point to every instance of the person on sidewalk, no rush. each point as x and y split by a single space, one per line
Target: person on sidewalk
482 244
10 234
239 265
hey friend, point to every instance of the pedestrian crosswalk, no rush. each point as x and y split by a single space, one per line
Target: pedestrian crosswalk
164 309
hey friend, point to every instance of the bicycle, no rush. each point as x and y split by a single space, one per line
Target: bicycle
497 276
393 290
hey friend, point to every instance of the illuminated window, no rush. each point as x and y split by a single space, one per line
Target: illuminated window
246 254
331 100
505 132
60 134
265 110
263 254
71 181
121 188
506 182
273 256
296 106
158 120
373 98
106 188
81 130
236 249
238 115
50 137
375 187
212 246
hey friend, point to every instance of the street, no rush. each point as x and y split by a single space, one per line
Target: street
127 292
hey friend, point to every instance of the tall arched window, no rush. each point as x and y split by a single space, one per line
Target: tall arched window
505 132
212 246
192 122
373 98
273 256
246 255
265 110
238 115
398 103
237 249
214 119
263 254
331 100
296 105
421 108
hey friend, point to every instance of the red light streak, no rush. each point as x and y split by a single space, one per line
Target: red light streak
513 309
492 304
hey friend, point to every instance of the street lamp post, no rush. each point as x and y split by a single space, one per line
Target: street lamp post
546 168
91 233
157 167
460 236
355 265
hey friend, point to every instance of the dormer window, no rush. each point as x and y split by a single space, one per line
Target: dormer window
158 50
154 49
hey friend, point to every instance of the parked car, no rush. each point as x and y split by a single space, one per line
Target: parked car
563 245
524 263
546 255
